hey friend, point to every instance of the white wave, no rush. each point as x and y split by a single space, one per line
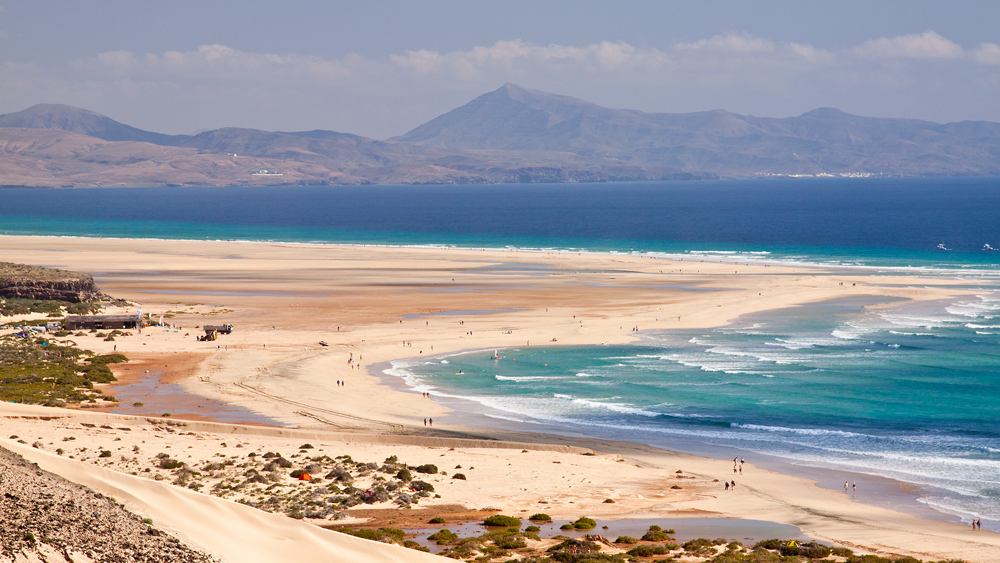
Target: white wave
615 407
851 332
802 342
520 378
803 431
445 361
582 374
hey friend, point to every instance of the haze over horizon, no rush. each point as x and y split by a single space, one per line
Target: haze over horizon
382 70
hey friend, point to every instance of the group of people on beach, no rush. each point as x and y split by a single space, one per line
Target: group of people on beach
737 468
854 488
977 524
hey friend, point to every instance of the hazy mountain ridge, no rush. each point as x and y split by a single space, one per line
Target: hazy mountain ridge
85 122
824 140
512 134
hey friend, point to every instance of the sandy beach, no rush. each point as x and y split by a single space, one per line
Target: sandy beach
271 386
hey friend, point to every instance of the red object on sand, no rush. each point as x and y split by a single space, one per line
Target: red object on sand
305 477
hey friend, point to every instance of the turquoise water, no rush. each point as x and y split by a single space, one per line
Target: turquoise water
908 392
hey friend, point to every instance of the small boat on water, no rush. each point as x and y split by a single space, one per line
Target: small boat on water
941 247
988 247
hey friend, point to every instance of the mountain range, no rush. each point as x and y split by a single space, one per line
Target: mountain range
513 134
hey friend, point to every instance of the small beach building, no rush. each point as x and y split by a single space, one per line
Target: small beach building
99 322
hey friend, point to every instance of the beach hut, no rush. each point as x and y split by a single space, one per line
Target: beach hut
100 322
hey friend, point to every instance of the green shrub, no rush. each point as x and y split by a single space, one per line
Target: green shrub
306 447
647 550
511 541
699 544
443 537
98 373
533 529
105 359
422 486
498 520
105 453
459 476
436 520
812 550
540 517
584 523
842 552
415 545
656 533
575 547
404 475
626 539
167 463
428 468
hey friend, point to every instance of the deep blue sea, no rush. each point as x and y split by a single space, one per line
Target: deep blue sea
899 390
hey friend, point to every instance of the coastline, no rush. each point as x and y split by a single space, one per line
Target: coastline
269 366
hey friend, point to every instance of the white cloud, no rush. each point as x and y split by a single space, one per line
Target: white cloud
217 85
987 54
217 62
730 43
927 46
813 54
479 62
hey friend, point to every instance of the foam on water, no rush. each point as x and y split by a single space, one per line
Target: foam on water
828 385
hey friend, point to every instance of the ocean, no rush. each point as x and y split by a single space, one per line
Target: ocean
896 390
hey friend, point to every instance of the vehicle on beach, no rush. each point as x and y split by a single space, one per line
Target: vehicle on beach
221 329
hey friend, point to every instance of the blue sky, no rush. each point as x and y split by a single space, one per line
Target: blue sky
382 68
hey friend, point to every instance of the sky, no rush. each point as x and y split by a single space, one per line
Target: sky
381 68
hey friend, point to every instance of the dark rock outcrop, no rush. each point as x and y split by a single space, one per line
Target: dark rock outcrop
35 282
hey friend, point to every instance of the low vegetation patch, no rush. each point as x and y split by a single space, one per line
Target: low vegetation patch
499 520
584 523
39 370
656 533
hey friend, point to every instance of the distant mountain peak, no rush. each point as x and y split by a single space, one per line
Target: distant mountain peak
827 113
85 122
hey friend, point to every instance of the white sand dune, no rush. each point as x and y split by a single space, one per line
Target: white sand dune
225 529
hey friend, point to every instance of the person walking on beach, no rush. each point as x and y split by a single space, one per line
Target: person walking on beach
425 422
431 421
727 485
854 489
845 486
